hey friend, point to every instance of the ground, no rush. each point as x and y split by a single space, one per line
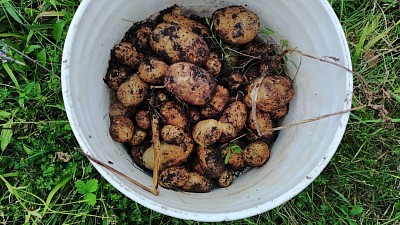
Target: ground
361 184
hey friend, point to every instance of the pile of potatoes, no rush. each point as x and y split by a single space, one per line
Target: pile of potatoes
173 67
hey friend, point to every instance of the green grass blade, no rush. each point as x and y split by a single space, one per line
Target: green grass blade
6 134
11 74
53 192
11 11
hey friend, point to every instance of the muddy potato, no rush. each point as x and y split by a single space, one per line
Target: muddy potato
259 48
194 115
256 154
265 124
226 179
132 92
280 113
235 80
176 43
235 24
236 160
274 92
175 135
138 137
194 164
229 132
142 119
180 178
117 109
142 35
190 83
174 114
217 103
121 129
207 132
170 155
152 71
213 65
272 65
197 183
236 114
211 161
115 77
127 54
137 152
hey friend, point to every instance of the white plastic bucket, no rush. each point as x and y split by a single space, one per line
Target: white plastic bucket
299 154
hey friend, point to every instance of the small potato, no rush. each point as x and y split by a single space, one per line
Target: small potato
226 179
127 54
117 109
162 97
115 77
132 92
274 92
235 80
229 132
207 132
190 83
180 178
142 35
265 124
235 24
137 152
121 129
213 64
256 154
174 114
138 137
194 115
142 119
170 155
197 183
211 161
236 114
175 43
236 160
217 103
152 71
280 113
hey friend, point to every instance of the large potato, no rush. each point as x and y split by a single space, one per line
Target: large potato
236 114
175 43
256 154
274 93
132 92
207 132
190 83
152 71
174 114
121 129
170 155
211 161
115 77
127 54
265 124
217 103
197 183
235 24
180 178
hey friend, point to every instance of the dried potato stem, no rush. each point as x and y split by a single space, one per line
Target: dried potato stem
155 123
137 183
254 96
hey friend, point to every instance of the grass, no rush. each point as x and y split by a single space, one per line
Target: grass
359 186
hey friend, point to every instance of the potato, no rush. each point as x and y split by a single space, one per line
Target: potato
117 109
152 71
217 103
280 113
175 135
115 77
226 179
137 152
207 132
121 129
235 80
236 114
174 114
170 155
213 64
272 65
256 154
138 137
142 35
162 97
194 164
211 161
229 132
194 115
142 119
132 92
265 124
259 48
274 92
190 83
197 183
235 24
127 54
175 43
236 160
174 15
180 178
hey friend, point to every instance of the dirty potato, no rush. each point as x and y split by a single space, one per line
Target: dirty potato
272 65
121 129
170 155
142 35
280 113
162 97
235 24
236 114
213 65
229 132
207 132
226 179
175 43
197 183
142 119
236 160
175 135
174 114
115 77
217 103
138 137
137 152
194 115
152 71
211 161
132 92
256 154
127 54
274 92
117 109
180 178
235 80
265 124
190 83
